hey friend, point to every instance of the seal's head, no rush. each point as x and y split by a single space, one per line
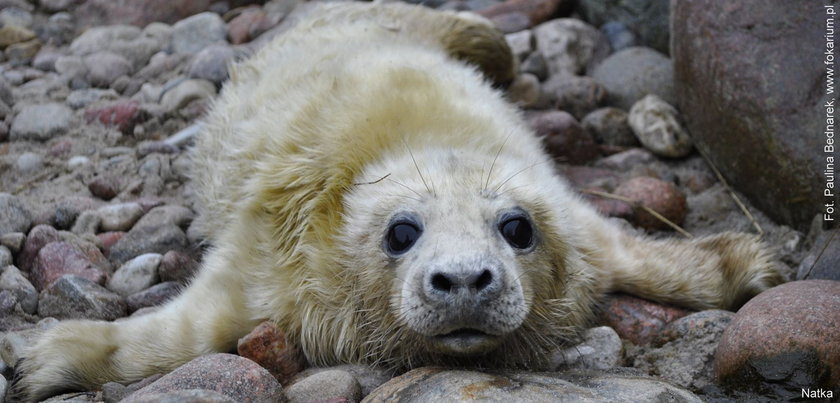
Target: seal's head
472 255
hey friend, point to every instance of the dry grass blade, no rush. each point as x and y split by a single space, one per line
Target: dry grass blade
645 208
732 193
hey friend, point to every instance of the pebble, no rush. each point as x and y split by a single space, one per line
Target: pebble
29 163
521 43
59 29
535 64
576 95
327 385
105 186
41 122
619 35
59 258
148 239
786 337
135 275
601 349
84 97
5 256
248 25
821 260
185 92
636 319
196 32
77 161
14 343
22 53
440 384
38 237
103 68
68 209
238 378
524 91
150 147
182 396
656 125
108 239
12 34
167 215
6 94
153 296
211 63
369 378
563 137
74 297
124 40
534 11
511 22
267 346
45 59
177 266
87 222
122 114
657 195
11 279
54 6
625 161
610 126
567 45
631 74
14 216
119 217
685 349
72 67
13 240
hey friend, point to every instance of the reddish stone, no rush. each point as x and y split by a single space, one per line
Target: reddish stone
637 319
564 138
610 207
153 296
177 266
657 195
267 346
787 336
59 258
105 187
137 12
60 149
250 21
238 378
121 114
537 11
38 237
109 239
587 177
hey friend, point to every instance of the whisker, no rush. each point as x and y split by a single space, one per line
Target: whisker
417 167
407 187
517 173
372 182
499 152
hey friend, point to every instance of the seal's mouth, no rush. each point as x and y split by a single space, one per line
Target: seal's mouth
466 341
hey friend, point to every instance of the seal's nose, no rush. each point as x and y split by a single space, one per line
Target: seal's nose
464 284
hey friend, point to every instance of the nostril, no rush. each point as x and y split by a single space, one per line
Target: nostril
441 283
483 280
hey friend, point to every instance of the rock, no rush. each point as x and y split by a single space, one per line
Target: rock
536 11
119 217
609 126
177 266
732 104
54 6
68 209
535 64
239 378
13 240
41 122
660 196
583 177
521 43
511 22
601 349
5 256
105 67
59 258
6 94
148 239
161 147
77 161
439 384
15 16
74 297
153 296
22 53
11 279
29 163
524 91
122 114
182 396
631 74
567 45
564 138
126 41
619 35
266 345
59 29
330 385
822 259
87 223
685 349
636 319
13 344
167 215
194 33
785 337
649 18
186 92
576 95
45 59
656 124
368 378
39 237
249 24
81 98
108 240
14 216
105 186
12 34
138 12
211 63
626 160
135 275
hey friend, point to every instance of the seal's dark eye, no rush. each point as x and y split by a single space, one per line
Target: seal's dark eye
401 237
518 232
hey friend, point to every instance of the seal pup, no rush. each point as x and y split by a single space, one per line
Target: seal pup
369 191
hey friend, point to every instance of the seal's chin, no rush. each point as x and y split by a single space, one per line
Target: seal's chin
464 342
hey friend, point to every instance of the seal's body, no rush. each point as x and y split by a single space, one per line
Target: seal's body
369 192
